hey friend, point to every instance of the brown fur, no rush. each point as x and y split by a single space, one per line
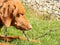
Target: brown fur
12 13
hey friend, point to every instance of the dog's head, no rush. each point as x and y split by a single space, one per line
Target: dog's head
14 13
21 22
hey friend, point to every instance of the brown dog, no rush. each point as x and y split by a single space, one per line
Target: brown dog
12 13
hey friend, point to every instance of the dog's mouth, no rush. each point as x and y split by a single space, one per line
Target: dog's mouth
22 27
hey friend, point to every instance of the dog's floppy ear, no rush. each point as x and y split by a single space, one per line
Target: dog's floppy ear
5 15
6 21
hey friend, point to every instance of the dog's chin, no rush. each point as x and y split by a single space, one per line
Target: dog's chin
22 29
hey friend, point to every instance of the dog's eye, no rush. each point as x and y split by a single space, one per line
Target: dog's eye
18 15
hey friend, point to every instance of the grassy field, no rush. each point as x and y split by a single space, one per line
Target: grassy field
39 27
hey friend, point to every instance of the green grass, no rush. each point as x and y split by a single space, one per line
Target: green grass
39 27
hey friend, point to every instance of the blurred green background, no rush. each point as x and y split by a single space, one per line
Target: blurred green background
39 26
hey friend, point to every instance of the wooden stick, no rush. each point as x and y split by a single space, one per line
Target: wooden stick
10 38
5 44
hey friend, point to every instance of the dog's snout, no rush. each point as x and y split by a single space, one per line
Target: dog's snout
30 27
